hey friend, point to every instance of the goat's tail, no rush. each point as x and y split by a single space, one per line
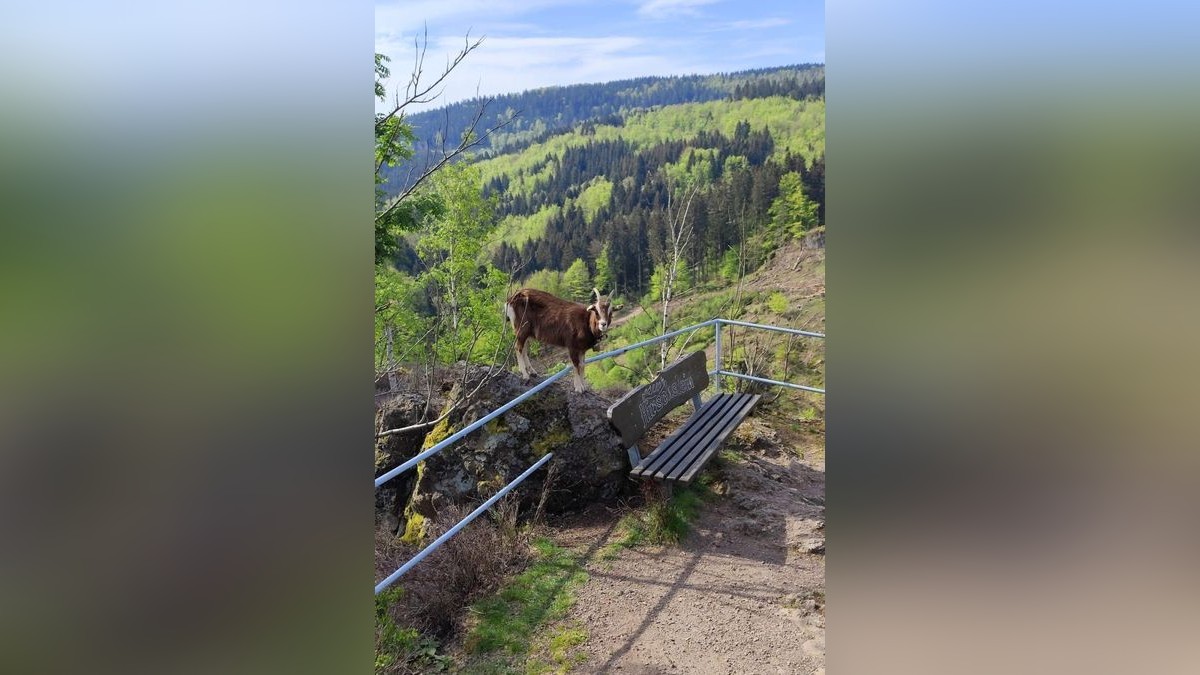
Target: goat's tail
510 315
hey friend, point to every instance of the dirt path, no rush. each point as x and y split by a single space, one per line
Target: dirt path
622 320
744 593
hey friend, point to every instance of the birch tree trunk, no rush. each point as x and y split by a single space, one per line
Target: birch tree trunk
393 383
681 235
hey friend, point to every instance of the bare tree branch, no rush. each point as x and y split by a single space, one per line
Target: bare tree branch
416 427
417 92
414 92
469 140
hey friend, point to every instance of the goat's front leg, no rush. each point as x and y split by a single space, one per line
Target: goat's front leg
577 362
523 359
529 362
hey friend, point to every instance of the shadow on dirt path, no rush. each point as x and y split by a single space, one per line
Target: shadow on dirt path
744 592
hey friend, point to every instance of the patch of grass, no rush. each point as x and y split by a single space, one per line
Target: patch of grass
430 609
558 654
661 522
731 456
507 623
400 649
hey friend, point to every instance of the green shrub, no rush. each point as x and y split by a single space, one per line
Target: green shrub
777 303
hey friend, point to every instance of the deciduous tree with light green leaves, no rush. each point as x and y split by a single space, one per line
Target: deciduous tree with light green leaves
578 281
465 291
792 213
604 277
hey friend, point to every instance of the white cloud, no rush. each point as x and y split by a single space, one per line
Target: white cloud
759 23
663 9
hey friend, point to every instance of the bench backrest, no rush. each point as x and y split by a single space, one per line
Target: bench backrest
638 410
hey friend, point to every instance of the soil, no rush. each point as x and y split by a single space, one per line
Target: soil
743 593
792 270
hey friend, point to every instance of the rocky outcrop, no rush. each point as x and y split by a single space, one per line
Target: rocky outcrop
400 410
589 463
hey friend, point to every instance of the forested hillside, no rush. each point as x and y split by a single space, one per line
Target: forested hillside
533 116
749 171
604 194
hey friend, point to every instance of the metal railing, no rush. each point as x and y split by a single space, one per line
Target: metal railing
720 370
533 391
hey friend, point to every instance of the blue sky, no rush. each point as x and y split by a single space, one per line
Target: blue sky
537 43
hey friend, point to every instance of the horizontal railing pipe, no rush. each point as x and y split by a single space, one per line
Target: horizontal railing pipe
472 427
793 331
654 340
766 381
381 586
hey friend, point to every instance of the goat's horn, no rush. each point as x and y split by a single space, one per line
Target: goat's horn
596 292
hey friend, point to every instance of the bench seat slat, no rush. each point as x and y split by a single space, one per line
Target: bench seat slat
716 442
677 440
690 443
680 439
703 446
681 455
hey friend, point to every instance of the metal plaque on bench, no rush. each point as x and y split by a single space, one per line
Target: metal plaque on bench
638 410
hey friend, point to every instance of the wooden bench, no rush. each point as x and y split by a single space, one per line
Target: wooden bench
681 456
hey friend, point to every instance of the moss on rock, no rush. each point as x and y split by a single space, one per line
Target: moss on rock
553 440
414 529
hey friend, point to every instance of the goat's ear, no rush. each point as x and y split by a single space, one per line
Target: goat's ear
591 308
619 307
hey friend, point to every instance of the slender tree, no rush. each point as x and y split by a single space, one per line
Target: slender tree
679 203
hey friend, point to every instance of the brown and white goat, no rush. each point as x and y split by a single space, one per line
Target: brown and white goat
554 321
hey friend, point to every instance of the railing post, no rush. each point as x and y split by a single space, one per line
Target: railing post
717 358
